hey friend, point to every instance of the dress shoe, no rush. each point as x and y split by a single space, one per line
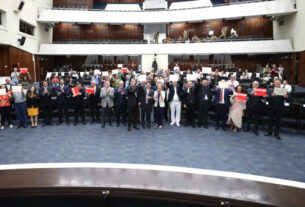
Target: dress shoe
268 134
255 132
199 125
110 124
19 126
84 122
59 123
25 126
75 123
172 123
193 125
186 125
224 128
135 127
205 126
129 128
118 124
67 123
277 136
216 128
178 124
103 125
247 129
50 124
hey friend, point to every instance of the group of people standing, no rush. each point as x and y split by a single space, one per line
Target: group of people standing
133 101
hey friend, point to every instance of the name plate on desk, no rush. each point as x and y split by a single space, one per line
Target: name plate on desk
223 84
280 91
16 89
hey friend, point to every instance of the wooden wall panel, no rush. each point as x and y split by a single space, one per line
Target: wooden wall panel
97 31
5 66
73 3
250 26
301 73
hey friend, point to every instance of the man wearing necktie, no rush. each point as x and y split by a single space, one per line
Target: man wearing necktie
146 103
120 103
204 96
62 101
94 102
45 93
132 104
222 105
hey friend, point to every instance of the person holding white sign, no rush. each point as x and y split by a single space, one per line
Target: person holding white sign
19 95
15 76
276 108
5 105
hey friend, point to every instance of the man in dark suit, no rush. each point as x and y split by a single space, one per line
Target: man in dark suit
276 107
45 93
222 105
146 102
253 108
94 102
175 98
189 103
79 104
120 103
62 101
132 104
204 100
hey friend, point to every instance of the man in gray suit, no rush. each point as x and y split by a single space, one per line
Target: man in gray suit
107 96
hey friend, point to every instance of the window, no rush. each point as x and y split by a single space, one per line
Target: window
26 28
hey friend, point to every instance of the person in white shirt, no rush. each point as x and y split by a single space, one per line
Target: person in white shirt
233 83
15 76
286 86
176 68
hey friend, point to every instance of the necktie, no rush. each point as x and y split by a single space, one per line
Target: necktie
220 98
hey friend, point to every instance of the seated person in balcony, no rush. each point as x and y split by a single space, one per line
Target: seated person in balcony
185 34
239 73
156 37
243 76
180 39
195 39
55 79
274 71
287 86
15 76
276 108
266 71
167 40
96 78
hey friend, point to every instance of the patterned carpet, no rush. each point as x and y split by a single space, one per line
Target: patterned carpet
175 146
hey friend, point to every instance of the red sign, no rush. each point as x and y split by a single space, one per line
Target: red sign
75 91
90 90
260 92
241 97
124 70
23 70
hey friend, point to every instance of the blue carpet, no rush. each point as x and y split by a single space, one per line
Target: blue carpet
175 146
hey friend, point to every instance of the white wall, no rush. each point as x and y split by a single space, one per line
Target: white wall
151 29
246 47
147 60
9 33
293 27
269 8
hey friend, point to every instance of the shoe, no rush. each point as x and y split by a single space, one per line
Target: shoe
19 126
50 124
216 128
135 127
205 126
110 124
199 125
178 124
2 127
103 125
68 123
186 125
75 123
277 136
44 124
11 126
160 127
92 122
143 126
98 121
224 128
172 123
33 127
129 128
268 134
193 125
247 129
25 126
255 132
84 122
118 124
59 123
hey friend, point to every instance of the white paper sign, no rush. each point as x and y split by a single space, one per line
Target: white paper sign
190 77
16 89
142 78
258 75
120 65
280 91
222 84
115 72
173 78
286 104
206 70
104 74
2 92
97 72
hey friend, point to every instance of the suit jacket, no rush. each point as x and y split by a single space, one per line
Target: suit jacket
45 98
143 94
227 93
132 97
9 89
63 96
95 98
119 99
161 99
189 98
202 92
79 101
253 101
172 92
107 99
275 102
